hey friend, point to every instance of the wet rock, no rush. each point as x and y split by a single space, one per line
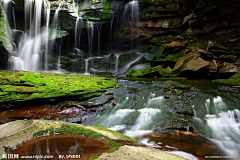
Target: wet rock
94 102
73 120
197 145
141 66
196 64
183 60
175 44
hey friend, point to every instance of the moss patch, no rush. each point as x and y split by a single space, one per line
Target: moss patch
21 86
76 130
235 79
141 73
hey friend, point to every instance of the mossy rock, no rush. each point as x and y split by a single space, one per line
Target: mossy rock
143 72
19 131
201 43
235 80
20 87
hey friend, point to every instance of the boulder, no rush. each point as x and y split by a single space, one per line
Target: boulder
183 60
229 68
196 64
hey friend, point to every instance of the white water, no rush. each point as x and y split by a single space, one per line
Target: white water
116 63
90 31
143 123
29 50
78 31
222 126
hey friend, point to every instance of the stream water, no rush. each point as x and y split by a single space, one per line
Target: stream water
202 119
192 118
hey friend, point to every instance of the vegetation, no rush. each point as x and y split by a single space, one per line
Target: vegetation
20 86
235 79
81 131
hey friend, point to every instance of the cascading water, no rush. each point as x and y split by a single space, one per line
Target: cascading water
222 126
29 48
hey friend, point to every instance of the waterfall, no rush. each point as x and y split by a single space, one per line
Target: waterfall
47 8
78 30
90 31
54 34
27 55
116 63
99 28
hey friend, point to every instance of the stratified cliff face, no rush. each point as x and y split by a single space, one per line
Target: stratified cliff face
195 39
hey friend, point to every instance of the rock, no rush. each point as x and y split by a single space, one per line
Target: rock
5 32
217 48
175 44
141 66
98 101
37 88
229 68
19 131
182 60
196 64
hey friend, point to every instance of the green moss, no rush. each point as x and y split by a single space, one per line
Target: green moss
235 79
229 81
164 39
178 90
107 5
24 86
145 1
81 131
141 73
166 72
198 43
236 76
120 134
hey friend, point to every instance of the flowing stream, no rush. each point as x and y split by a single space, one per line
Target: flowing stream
144 107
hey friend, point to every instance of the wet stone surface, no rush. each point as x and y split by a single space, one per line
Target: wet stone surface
85 147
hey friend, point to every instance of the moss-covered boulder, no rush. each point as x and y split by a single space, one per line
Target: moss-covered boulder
235 80
20 87
157 71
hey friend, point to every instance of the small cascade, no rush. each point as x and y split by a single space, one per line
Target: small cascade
90 31
14 20
224 130
221 125
116 63
54 32
134 14
99 28
47 8
87 66
78 31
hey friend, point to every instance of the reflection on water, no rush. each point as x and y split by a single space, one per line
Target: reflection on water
62 144
203 109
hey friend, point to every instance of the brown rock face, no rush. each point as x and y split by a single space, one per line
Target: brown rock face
182 60
196 64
